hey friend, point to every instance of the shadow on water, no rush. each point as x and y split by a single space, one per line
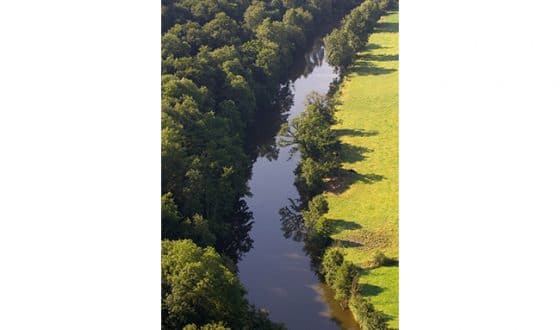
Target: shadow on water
342 318
282 268
309 61
262 135
237 242
292 221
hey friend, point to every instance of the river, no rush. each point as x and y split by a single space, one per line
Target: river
277 272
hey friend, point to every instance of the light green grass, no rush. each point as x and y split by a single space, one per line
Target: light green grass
364 208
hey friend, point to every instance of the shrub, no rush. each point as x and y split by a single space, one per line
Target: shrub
367 316
315 210
318 238
343 282
331 262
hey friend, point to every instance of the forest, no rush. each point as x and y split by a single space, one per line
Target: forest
222 62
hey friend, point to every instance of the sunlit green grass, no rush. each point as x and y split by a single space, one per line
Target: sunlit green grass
365 207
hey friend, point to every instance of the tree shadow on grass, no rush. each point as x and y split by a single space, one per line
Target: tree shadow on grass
370 290
370 47
351 153
339 225
346 243
379 57
388 262
355 132
387 27
345 178
367 69
385 58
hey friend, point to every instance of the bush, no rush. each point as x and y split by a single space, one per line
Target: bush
343 43
318 238
343 282
315 210
332 260
367 316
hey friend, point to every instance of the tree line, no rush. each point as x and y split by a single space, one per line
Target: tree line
311 134
344 42
222 62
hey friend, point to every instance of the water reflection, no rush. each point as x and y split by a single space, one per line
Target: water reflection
279 272
334 312
263 135
237 242
310 60
269 119
293 226
292 221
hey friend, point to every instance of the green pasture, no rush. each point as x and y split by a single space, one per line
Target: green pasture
364 203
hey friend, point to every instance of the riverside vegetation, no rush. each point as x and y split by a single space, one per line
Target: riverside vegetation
331 178
222 62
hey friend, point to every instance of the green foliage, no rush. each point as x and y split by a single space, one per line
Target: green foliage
317 207
221 61
310 133
197 287
332 260
376 113
318 229
340 274
366 314
343 43
170 217
220 31
254 15
200 292
198 230
339 53
344 279
209 326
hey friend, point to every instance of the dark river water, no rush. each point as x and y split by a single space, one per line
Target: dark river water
276 271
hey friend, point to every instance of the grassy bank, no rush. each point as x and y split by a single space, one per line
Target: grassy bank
364 201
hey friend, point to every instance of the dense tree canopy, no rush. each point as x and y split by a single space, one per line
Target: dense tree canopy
200 292
310 133
344 42
222 62
197 287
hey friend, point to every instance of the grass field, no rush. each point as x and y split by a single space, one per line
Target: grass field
364 204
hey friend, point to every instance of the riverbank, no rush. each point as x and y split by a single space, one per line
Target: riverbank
364 206
276 272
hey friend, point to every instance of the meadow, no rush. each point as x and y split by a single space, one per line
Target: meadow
364 202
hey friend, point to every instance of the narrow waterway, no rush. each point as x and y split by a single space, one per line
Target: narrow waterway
276 271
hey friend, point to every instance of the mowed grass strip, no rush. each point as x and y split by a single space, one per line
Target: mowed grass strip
364 201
